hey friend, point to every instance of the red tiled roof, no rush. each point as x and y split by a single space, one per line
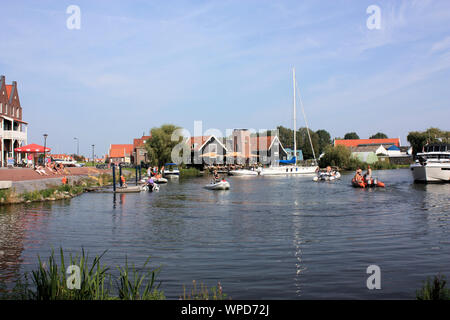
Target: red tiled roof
139 142
120 150
8 89
357 142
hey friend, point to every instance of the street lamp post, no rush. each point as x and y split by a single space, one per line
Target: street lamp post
93 160
45 145
78 146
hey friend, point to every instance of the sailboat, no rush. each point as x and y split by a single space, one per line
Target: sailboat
291 165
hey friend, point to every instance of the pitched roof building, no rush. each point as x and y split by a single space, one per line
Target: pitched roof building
120 153
13 130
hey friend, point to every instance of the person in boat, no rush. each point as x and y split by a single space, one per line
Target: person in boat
216 176
368 175
358 176
150 182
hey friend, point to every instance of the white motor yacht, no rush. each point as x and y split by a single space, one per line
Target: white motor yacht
433 164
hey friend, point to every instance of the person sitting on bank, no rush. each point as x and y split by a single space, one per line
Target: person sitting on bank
123 182
41 170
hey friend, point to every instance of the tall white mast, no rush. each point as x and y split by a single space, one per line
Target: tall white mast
295 120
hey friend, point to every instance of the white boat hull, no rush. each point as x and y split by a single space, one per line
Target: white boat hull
327 177
222 185
244 172
288 170
431 172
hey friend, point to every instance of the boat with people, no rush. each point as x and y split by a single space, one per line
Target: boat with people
366 180
288 167
170 170
328 175
432 164
218 185
150 185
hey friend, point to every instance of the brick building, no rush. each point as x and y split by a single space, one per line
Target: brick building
140 154
13 130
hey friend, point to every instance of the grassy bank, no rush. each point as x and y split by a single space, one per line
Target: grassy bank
58 279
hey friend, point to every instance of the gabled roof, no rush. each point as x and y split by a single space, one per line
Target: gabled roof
9 88
357 142
197 143
120 150
140 142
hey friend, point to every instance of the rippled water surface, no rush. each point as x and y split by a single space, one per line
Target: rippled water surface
266 238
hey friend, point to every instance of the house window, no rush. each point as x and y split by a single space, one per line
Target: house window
1 107
6 112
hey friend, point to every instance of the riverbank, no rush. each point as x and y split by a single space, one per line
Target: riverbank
28 186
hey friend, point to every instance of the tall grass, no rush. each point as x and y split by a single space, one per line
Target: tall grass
50 281
203 293
434 289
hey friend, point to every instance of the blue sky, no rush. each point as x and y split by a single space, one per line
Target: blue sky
135 65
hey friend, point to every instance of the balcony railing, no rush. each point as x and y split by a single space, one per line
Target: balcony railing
10 134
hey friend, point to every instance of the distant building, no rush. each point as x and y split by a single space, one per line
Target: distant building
63 156
402 155
140 153
290 154
267 149
120 153
207 150
368 154
13 130
366 142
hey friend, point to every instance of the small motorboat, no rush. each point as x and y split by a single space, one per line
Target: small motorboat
150 187
327 176
218 185
160 180
368 183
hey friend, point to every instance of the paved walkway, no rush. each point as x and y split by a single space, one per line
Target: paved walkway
23 174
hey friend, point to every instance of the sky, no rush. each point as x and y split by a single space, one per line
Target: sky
135 65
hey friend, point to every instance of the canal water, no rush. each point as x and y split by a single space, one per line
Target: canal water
266 238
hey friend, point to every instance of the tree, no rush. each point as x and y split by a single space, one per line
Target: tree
304 144
160 145
335 156
340 156
419 139
379 135
286 137
324 139
351 135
